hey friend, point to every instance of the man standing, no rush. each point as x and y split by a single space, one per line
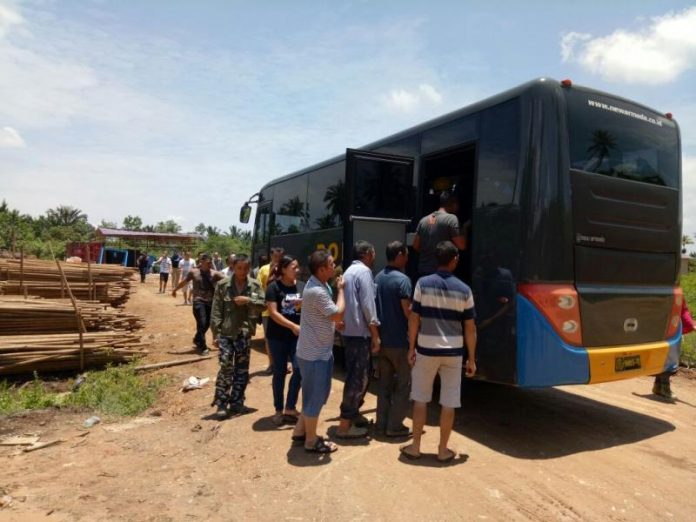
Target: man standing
393 309
165 266
229 269
277 254
217 262
186 264
237 304
143 262
176 271
441 225
203 281
442 318
360 339
315 348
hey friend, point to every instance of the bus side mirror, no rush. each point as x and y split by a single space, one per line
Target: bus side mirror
245 213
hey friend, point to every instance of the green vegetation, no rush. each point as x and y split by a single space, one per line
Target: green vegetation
114 391
688 353
64 224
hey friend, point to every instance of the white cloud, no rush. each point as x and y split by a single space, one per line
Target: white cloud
10 139
657 54
407 101
689 195
8 18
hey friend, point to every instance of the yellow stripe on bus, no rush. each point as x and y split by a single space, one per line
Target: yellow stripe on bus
606 362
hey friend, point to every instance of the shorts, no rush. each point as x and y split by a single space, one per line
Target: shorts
423 377
164 276
316 384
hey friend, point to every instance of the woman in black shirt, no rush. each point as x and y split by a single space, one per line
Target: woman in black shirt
284 300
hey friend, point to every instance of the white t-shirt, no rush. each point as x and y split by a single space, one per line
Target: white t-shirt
186 266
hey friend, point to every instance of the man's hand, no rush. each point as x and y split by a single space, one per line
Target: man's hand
411 357
295 329
340 284
470 367
174 293
340 326
241 300
376 344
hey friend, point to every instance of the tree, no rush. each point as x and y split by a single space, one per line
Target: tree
107 224
212 231
170 226
132 223
335 198
201 229
65 216
242 235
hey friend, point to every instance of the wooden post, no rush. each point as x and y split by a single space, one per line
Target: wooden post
21 269
80 323
92 294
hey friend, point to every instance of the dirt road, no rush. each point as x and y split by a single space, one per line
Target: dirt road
603 452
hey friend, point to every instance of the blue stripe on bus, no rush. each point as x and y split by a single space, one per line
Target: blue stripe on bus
543 359
672 361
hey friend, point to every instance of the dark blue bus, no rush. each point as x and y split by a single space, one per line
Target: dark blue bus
574 198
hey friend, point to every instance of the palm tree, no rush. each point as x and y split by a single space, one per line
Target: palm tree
603 142
65 216
335 199
686 240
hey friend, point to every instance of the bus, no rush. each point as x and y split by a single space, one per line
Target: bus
574 201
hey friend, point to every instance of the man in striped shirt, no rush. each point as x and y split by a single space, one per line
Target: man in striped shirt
442 318
315 348
165 266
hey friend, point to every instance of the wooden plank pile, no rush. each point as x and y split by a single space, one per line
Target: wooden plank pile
104 283
57 352
33 316
56 334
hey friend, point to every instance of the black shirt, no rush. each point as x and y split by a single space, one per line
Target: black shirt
176 258
288 300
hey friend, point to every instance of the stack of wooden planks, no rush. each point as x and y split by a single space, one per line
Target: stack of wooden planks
103 283
33 316
58 352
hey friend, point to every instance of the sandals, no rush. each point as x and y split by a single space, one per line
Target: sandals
449 458
321 446
278 419
408 455
353 433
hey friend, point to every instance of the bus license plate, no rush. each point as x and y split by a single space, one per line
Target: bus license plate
630 362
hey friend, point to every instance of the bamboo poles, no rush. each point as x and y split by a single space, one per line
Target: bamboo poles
24 354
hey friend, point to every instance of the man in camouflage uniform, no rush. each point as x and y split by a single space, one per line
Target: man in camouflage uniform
237 306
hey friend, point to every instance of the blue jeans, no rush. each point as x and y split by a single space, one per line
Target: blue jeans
201 312
283 351
358 361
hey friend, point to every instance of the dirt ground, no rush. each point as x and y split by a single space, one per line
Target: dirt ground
602 452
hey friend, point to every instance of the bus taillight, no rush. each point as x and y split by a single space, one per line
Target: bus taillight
566 83
559 304
675 315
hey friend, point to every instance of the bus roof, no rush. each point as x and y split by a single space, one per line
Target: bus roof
537 83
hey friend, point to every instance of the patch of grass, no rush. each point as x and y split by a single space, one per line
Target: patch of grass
114 391
688 350
30 396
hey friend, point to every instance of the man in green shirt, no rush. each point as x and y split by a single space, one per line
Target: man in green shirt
237 305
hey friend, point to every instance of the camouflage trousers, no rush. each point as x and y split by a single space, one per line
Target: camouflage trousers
233 375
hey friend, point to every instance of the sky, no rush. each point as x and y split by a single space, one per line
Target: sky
183 109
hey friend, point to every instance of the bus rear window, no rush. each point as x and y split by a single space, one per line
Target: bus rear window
614 138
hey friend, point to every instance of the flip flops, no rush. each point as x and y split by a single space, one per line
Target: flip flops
408 455
321 446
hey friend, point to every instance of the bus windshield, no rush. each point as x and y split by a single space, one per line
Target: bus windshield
614 138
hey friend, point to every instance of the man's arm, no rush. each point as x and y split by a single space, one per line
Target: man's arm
340 305
459 242
416 243
413 327
470 336
216 312
184 281
406 307
369 309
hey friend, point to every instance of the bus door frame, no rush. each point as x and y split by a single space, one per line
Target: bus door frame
381 224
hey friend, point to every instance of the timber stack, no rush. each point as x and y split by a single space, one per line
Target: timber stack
58 352
104 283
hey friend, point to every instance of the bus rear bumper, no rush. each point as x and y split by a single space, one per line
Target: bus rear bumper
544 359
613 363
